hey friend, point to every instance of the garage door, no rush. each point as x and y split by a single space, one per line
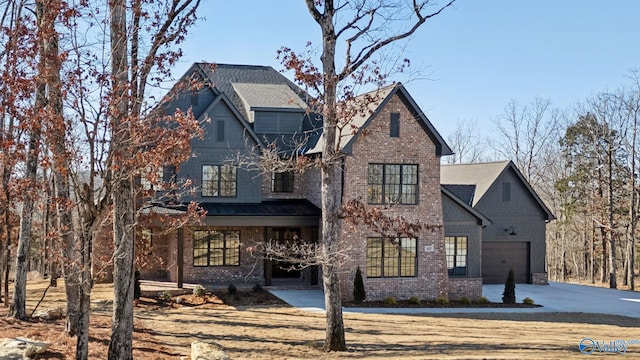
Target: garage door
498 257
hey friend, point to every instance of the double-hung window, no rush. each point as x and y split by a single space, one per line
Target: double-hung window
456 252
219 180
282 182
392 183
391 257
216 248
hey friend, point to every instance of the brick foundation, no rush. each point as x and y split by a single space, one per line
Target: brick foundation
539 278
465 287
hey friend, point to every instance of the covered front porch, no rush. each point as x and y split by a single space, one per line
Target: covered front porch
221 249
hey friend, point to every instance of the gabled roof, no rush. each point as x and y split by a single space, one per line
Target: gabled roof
483 220
375 102
463 192
483 176
222 78
247 88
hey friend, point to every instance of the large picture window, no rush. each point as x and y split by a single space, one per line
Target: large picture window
392 183
391 257
282 182
456 251
216 248
219 180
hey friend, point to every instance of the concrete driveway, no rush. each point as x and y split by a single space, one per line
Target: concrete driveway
555 297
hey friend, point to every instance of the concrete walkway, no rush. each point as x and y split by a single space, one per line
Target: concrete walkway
556 297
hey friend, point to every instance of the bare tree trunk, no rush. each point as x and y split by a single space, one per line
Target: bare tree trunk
631 243
7 268
563 252
86 283
334 337
17 308
120 346
610 235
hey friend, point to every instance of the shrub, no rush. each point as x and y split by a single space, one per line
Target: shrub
442 300
414 300
464 300
198 290
257 287
164 296
359 294
232 289
390 301
527 301
482 300
509 294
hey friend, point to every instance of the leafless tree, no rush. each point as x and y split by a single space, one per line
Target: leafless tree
467 144
528 135
367 29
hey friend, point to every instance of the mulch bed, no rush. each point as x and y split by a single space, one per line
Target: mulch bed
433 304
212 300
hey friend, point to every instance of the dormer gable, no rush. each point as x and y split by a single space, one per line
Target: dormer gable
272 108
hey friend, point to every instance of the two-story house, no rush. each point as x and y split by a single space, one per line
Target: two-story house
391 160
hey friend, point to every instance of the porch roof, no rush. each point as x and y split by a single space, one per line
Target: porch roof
296 207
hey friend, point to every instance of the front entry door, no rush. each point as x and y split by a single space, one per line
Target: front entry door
277 269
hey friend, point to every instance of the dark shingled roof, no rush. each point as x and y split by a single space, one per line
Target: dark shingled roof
265 208
222 77
462 192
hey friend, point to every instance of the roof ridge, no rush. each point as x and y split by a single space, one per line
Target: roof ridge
479 163
235 65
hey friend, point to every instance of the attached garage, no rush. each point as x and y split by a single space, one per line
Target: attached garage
498 257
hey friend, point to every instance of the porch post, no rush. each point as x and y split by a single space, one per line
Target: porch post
180 257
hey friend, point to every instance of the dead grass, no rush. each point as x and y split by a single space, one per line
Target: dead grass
281 332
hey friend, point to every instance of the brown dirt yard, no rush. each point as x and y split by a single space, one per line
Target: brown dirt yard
282 332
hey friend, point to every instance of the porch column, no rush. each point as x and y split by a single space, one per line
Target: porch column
180 257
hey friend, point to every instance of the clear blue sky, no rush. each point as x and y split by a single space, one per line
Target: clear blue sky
479 55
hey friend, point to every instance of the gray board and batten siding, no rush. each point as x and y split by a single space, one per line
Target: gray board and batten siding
515 239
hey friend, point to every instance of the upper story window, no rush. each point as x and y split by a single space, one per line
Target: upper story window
394 125
456 252
391 257
392 183
282 182
219 180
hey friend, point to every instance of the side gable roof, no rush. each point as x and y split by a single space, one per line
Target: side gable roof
380 98
483 176
484 221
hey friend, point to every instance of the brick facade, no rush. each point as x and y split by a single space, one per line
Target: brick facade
539 279
470 288
306 185
413 146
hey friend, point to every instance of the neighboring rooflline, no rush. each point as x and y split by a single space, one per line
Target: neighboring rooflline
483 219
507 164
